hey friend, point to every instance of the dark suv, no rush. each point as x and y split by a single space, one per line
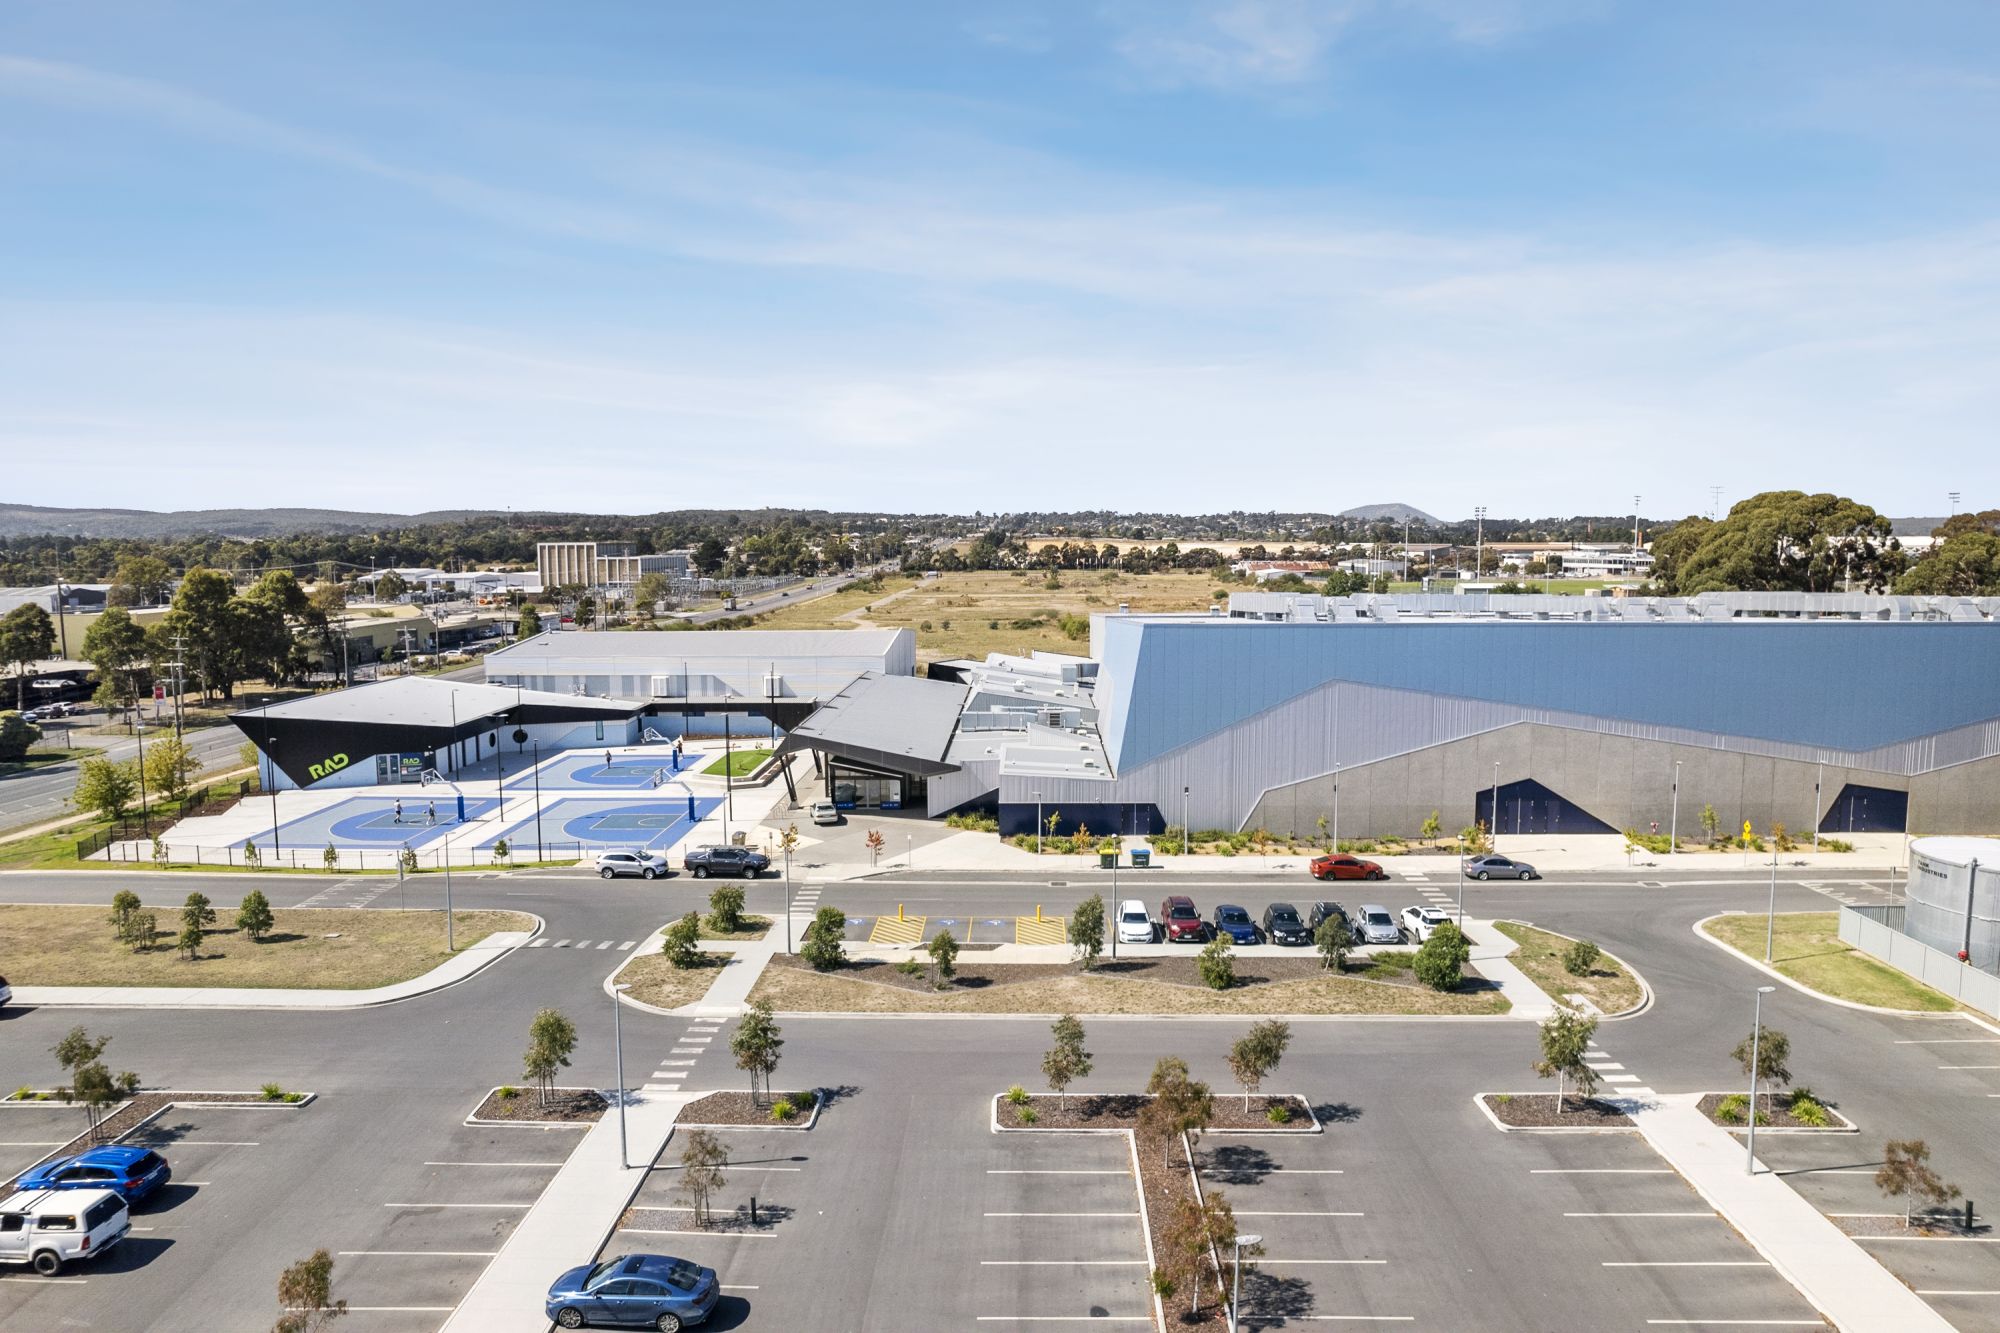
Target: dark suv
705 861
1181 923
1282 925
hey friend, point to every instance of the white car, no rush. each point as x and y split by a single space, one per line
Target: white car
1422 922
644 864
6 991
1134 926
50 1228
825 812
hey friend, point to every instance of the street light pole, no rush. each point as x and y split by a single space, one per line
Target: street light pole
1184 823
1336 807
618 1054
1771 914
1494 839
450 943
1674 829
1038 823
1756 1032
139 735
1819 778
1236 1275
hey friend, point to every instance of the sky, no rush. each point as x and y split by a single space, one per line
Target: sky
1540 255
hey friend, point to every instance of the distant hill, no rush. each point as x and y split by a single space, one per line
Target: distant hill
36 520
1394 513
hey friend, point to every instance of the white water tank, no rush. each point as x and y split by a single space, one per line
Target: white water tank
1948 878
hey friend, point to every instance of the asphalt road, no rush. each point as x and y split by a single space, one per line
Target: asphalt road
782 597
901 1211
34 798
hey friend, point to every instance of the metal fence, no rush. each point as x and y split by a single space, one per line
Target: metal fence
165 855
1877 932
209 800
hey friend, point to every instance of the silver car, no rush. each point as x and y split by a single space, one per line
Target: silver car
1374 925
644 864
1495 866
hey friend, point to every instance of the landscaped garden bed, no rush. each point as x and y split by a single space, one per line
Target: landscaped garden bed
748 928
526 1106
1288 1112
304 947
657 982
732 1110
1539 1110
1795 1110
1546 957
1124 986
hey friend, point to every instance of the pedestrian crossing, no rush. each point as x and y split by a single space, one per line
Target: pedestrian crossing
356 892
1617 1082
620 945
671 1073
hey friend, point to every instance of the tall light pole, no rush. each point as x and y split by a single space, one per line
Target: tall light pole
1771 916
1674 828
1635 523
1336 807
1406 550
450 943
1184 823
618 1054
1038 823
139 735
1819 778
1479 542
1494 836
1236 1275
1756 1032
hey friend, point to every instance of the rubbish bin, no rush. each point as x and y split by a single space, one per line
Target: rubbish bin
1142 857
1107 858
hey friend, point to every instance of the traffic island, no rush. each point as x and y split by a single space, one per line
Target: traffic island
657 983
1794 1112
1542 1112
509 1105
1808 953
1607 984
1288 1113
739 1110
1153 985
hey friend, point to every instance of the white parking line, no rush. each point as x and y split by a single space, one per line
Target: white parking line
421 1254
1302 1214
1600 1171
66 1281
740 1288
1288 1170
401 1309
561 944
1936 1291
664 1064
1827 1171
458 1205
1048 1263
21 1143
1292 1262
1606 1065
1935 1240
1060 1318
1736 1323
992 1172
647 1231
1682 1263
1704 1214
1948 1041
204 1143
1125 1214
552 1166
1969 1066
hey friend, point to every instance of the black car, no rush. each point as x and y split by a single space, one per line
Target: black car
1321 911
1282 925
705 861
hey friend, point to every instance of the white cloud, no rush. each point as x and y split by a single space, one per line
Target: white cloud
1240 43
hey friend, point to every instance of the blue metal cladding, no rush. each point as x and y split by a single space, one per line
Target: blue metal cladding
1846 684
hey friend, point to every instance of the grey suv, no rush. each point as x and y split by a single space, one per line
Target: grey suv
705 861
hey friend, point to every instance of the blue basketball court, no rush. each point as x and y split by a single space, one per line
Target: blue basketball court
585 770
656 824
372 821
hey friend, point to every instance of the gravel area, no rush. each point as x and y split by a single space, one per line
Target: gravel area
1776 1106
736 1108
1082 1110
563 1104
1538 1111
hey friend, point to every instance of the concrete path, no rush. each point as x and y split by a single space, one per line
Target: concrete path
728 995
1814 1255
571 1220
1489 954
455 969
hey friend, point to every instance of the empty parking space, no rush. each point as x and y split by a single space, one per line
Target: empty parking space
1061 1236
28 1133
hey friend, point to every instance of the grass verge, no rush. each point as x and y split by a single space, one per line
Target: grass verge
314 948
657 982
797 990
1807 948
1611 985
739 763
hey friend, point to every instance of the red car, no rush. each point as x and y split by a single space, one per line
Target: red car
1345 867
1180 922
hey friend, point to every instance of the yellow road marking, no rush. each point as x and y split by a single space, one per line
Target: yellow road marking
898 930
1040 930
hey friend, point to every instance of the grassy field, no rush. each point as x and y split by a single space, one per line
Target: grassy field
1809 950
1611 986
657 982
794 990
975 613
308 947
740 763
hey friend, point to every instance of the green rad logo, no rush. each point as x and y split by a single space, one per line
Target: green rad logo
328 767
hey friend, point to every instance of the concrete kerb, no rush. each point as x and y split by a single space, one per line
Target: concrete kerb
1798 986
819 1104
1845 1126
1139 1018
485 954
476 1119
1479 1100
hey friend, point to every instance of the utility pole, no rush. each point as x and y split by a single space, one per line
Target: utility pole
1635 523
180 656
1479 542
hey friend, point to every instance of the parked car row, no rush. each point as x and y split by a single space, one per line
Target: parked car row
701 862
1180 922
77 1207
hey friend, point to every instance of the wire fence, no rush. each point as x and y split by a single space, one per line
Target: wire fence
206 800
340 860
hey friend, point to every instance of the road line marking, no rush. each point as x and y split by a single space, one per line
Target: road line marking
66 1281
1291 1262
1288 1170
648 1231
1684 1263
626 944
1707 1214
1938 1240
669 1064
1969 1066
536 944
1302 1214
1600 1171
560 944
605 944
1938 1291
1052 1263
400 1309
549 1165
991 1172
1126 1214
1948 1041
423 1254
206 1143
1737 1323
1621 1078
1605 1066
687 1050
458 1205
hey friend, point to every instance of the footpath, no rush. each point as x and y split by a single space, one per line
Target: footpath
1814 1255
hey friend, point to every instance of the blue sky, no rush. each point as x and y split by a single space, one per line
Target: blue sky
1536 254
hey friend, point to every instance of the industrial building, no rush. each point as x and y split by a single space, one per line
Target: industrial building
1532 714
603 564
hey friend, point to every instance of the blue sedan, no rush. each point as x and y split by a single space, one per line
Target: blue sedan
133 1172
634 1291
1236 924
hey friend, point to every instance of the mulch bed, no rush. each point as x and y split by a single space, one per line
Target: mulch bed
1168 971
1538 1111
1164 1177
1776 1106
127 1118
1081 1110
564 1104
737 1108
